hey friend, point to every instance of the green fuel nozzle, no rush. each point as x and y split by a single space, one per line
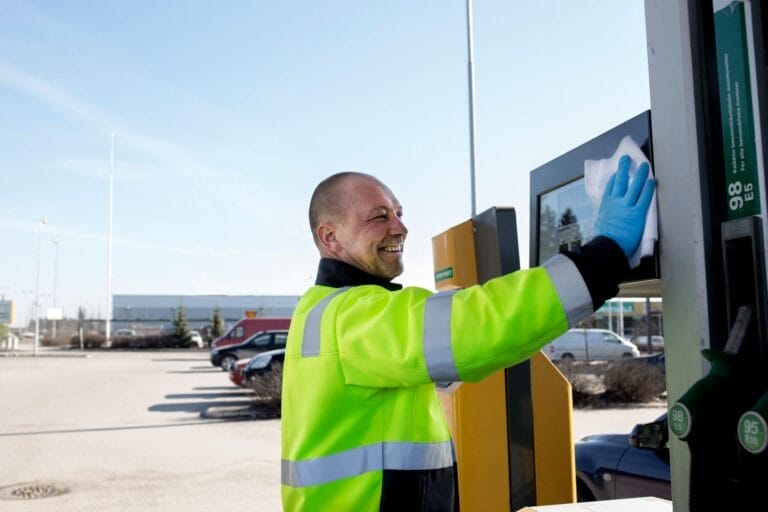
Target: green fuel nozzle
705 418
714 394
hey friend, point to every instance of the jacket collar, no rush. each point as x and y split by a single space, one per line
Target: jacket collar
336 274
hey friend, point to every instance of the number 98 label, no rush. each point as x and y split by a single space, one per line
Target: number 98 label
739 194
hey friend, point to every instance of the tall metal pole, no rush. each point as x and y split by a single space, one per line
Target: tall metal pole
470 66
107 326
55 272
43 222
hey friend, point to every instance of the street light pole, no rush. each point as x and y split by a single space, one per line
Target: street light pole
43 222
471 101
107 324
55 272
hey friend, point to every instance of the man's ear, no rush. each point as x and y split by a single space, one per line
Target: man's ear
326 236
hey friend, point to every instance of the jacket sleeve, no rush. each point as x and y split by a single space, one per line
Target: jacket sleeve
602 265
411 336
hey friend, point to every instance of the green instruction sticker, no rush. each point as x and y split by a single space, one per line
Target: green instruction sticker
443 274
738 127
752 432
679 418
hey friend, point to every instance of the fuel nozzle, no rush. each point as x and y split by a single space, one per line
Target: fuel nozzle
703 401
705 418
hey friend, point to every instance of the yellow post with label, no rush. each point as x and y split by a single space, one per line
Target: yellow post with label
513 430
478 422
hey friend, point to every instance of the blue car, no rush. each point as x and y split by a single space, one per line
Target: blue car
658 361
615 466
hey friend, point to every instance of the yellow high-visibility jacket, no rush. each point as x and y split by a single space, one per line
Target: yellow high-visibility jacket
362 426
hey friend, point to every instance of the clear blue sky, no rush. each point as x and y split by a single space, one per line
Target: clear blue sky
227 114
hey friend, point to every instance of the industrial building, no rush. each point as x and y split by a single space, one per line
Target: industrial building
154 313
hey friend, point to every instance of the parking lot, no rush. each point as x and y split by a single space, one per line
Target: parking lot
122 431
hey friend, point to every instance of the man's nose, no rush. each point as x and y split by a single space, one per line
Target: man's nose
396 226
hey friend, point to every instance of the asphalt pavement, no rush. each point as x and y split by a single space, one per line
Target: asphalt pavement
151 431
123 431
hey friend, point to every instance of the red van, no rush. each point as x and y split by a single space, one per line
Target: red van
248 326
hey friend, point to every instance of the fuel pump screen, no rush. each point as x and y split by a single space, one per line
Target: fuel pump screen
566 217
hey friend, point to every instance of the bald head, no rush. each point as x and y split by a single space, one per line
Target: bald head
331 198
356 219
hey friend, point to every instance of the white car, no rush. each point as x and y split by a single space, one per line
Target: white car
196 339
125 332
590 345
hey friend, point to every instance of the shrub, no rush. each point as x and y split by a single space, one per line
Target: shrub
598 384
61 340
93 340
150 342
90 340
268 387
585 379
630 381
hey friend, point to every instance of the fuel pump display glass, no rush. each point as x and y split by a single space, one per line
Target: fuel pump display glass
566 217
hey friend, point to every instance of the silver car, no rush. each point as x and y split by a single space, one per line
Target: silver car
590 345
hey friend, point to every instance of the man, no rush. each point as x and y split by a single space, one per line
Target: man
362 427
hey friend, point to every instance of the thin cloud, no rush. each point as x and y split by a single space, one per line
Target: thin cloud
46 92
96 169
66 233
32 86
170 158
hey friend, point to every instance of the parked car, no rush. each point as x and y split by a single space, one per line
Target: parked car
657 360
247 327
125 333
615 466
263 364
590 345
657 343
260 342
196 339
236 375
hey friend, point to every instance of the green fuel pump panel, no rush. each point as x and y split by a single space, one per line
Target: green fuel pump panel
708 85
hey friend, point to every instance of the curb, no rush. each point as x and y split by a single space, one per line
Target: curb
251 412
31 355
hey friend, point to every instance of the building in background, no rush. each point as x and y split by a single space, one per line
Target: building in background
6 311
630 317
153 314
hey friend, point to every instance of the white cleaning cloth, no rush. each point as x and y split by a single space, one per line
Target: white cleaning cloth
596 175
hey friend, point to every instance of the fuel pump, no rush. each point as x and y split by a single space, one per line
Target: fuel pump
722 412
709 98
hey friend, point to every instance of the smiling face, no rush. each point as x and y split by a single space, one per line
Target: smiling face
365 228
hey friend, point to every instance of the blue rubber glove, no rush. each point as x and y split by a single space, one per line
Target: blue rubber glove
621 216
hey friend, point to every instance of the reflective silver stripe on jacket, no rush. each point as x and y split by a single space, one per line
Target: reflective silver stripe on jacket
570 286
372 457
310 345
438 353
